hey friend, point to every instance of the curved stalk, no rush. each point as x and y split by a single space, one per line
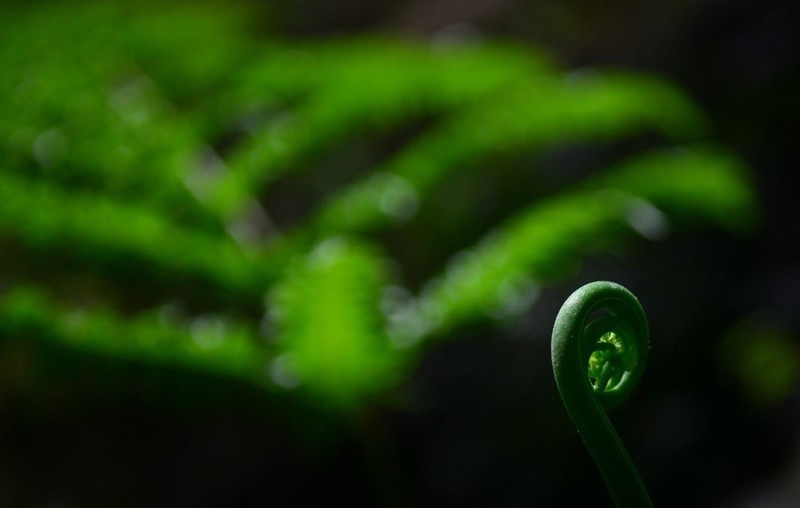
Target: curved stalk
599 350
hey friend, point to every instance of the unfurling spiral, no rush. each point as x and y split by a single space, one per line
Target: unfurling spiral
599 350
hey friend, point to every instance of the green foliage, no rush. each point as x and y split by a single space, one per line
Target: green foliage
138 143
332 332
548 239
77 99
99 233
209 343
347 87
537 111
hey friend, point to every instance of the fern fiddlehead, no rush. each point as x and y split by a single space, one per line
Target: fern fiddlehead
599 349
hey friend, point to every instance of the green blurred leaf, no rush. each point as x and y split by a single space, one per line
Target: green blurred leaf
331 329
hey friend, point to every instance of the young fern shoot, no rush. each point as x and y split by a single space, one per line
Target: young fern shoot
599 348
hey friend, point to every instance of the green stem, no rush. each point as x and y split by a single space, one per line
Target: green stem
621 337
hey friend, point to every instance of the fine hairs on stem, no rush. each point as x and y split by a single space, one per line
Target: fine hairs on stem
599 350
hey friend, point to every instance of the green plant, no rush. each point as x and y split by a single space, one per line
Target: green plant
136 192
600 345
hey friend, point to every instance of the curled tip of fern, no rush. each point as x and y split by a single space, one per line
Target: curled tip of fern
599 351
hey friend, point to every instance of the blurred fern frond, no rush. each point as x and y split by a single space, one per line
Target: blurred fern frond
331 329
209 343
500 273
153 157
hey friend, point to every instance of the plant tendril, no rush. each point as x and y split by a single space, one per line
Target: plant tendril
599 350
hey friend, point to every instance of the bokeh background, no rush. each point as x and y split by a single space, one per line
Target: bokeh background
298 253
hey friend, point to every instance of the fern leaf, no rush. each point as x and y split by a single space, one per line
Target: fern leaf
212 344
544 242
101 233
355 86
330 327
526 117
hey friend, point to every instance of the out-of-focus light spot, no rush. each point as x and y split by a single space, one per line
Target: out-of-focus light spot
170 313
76 319
514 297
406 327
395 196
409 320
432 310
129 101
456 263
648 221
582 76
266 327
405 324
455 35
283 373
394 298
252 225
328 252
204 173
50 147
208 331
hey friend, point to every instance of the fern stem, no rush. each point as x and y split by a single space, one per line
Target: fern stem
598 362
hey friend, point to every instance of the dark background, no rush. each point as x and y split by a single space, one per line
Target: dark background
480 422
